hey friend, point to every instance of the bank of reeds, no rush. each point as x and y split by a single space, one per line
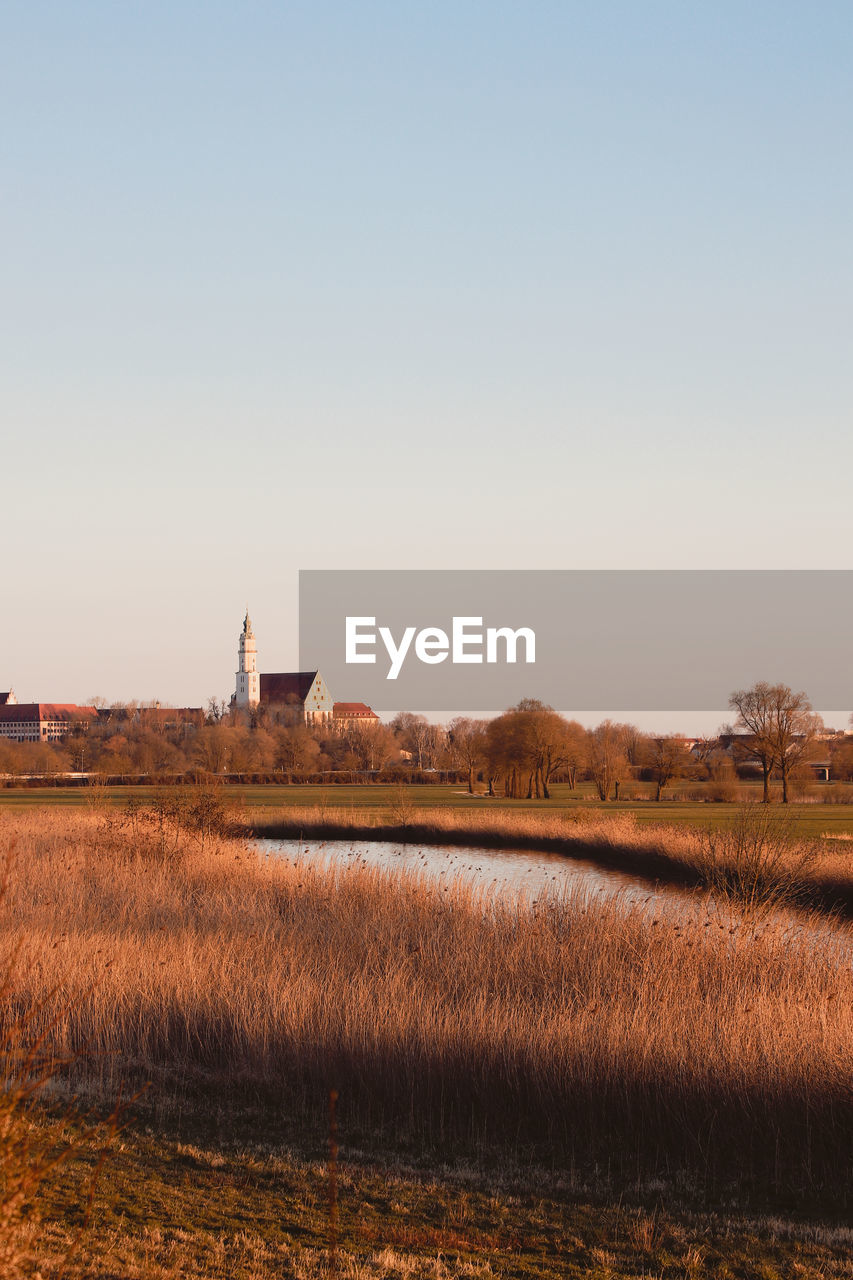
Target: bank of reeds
756 857
34 1146
713 1049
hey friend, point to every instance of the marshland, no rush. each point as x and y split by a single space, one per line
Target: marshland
696 1059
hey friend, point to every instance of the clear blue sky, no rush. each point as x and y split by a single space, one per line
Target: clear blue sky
374 285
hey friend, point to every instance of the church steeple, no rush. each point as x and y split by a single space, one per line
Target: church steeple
248 680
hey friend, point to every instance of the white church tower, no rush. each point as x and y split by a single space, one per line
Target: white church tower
248 680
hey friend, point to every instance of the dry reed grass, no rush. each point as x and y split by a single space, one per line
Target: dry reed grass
34 1146
713 1049
757 858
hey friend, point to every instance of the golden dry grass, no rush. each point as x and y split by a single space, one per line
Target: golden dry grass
756 857
707 1047
34 1145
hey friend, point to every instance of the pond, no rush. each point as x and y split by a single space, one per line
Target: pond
516 871
528 874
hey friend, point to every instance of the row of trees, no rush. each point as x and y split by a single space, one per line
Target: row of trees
776 730
520 753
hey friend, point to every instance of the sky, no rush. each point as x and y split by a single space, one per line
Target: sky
389 285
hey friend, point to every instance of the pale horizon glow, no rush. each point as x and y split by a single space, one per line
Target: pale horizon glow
380 286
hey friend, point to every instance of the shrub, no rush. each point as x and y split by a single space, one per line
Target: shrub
758 859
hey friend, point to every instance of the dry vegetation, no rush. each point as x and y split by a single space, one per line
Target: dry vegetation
713 1050
757 857
34 1145
172 1208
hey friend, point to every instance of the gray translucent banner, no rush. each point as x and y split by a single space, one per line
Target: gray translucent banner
659 640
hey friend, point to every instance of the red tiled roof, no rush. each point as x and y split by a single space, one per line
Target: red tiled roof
344 710
24 712
286 686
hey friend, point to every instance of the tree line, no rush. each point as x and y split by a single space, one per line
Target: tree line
519 754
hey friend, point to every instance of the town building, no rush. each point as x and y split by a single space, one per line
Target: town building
303 694
346 715
248 692
42 721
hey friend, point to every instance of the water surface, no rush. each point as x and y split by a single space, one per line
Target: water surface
530 874
516 871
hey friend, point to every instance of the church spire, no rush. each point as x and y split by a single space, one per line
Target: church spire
248 692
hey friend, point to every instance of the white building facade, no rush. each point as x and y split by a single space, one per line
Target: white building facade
287 694
248 693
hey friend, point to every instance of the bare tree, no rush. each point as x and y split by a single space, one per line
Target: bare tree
549 738
216 709
296 749
211 746
754 709
414 734
781 727
795 729
608 760
467 739
635 744
434 742
526 746
577 751
668 759
506 752
370 743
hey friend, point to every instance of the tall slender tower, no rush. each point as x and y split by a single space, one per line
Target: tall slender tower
248 679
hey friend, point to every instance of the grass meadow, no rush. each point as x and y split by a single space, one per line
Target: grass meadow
597 1082
815 815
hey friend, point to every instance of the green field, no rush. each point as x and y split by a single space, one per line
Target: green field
810 818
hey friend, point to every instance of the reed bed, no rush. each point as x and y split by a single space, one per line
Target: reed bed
711 1049
756 857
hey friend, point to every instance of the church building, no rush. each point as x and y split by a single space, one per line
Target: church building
304 692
